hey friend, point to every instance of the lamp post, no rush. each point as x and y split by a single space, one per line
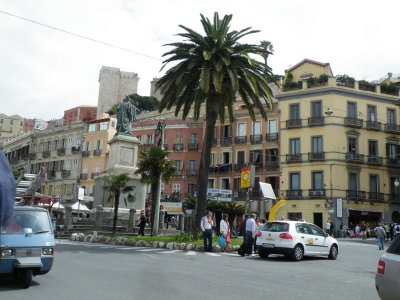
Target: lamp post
396 184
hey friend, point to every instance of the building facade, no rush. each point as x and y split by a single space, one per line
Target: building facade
10 125
339 148
78 114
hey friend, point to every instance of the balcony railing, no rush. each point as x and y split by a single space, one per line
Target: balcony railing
94 174
226 141
353 122
316 121
46 154
293 194
75 150
177 147
258 166
97 152
84 176
318 193
271 137
392 162
223 168
373 125
354 157
293 158
256 138
238 167
61 151
352 194
271 165
241 139
85 153
394 198
374 160
294 123
191 172
316 156
392 128
193 147
376 196
65 173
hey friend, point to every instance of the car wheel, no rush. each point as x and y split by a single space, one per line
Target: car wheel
333 253
297 253
262 253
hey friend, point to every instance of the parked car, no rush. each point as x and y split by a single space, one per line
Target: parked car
295 239
387 278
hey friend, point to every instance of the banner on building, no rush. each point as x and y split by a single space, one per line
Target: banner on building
339 207
245 177
219 195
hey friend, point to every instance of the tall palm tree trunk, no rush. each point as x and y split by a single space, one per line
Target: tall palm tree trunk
154 191
202 180
116 206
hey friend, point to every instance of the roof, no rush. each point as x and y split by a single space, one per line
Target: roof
306 60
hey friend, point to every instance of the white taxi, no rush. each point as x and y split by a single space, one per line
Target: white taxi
295 239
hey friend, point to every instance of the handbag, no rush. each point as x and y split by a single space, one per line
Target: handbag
221 241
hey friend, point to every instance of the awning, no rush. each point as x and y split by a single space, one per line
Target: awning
57 206
82 207
267 191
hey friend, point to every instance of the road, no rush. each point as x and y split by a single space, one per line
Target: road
93 271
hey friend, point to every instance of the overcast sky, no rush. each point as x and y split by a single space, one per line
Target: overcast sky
44 72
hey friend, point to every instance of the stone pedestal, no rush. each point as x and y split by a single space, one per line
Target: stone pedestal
99 217
123 155
131 221
68 217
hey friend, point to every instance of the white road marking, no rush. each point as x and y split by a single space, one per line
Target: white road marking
170 252
191 253
212 254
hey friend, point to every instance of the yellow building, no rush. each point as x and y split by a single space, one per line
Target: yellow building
340 150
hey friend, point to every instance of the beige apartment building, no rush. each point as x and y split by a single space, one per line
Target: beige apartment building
10 125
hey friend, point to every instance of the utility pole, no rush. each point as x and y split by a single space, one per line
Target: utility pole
160 128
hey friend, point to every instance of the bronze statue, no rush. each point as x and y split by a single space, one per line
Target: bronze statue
126 113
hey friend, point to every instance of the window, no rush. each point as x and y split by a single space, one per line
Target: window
241 129
256 127
373 187
84 168
256 157
316 144
162 187
371 113
96 168
294 181
317 181
103 125
92 127
391 117
226 157
178 165
294 146
372 148
271 155
99 145
295 216
176 188
316 230
352 109
352 145
1 121
236 184
353 184
192 167
178 138
11 122
226 131
192 189
210 183
193 138
294 111
272 126
225 184
212 159
240 158
86 146
392 151
150 139
316 109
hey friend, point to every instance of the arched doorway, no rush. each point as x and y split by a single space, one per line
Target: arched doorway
396 217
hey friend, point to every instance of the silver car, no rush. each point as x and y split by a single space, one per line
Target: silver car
387 279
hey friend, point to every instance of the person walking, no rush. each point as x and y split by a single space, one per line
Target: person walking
397 230
7 190
328 228
206 225
225 231
363 229
380 235
250 234
142 223
391 231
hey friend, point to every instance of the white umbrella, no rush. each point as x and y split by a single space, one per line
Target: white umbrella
267 191
58 206
81 207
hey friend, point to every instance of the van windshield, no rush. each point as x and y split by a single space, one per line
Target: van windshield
27 221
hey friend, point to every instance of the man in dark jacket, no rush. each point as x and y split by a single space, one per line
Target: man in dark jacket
7 190
142 223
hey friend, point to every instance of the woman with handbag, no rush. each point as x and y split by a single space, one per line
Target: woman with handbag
225 232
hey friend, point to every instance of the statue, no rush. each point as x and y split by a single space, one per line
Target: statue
126 113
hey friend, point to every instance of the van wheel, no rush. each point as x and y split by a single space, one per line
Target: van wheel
25 278
333 253
297 253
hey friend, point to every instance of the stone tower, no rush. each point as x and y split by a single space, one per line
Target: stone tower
114 85
153 92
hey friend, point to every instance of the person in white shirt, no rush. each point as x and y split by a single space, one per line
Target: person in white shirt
328 228
206 226
250 234
225 231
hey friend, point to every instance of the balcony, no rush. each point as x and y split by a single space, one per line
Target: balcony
374 160
51 174
394 198
294 123
256 138
65 173
46 154
85 153
32 155
241 139
272 137
352 194
353 122
75 150
61 151
238 167
97 152
177 147
392 162
293 158
191 172
94 174
272 165
84 176
193 147
224 168
226 141
392 128
293 194
258 166
376 196
316 121
316 156
373 125
354 157
316 193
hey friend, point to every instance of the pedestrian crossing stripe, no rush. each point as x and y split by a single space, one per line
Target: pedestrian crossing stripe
170 252
212 254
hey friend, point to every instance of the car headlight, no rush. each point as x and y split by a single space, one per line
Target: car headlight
48 251
6 252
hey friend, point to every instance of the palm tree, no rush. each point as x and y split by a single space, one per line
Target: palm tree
154 165
269 50
214 70
117 185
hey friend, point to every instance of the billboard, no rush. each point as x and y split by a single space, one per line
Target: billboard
219 195
245 177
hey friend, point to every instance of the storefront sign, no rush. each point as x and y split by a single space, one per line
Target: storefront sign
172 207
219 195
339 207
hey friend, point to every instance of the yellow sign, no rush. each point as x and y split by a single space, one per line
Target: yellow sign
245 177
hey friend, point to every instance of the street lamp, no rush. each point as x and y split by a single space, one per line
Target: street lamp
396 184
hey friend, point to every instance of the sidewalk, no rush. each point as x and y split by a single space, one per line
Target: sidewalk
367 241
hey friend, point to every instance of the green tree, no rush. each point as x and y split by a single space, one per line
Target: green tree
154 165
143 103
213 70
117 186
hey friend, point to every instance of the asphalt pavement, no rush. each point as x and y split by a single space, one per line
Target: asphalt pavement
96 271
